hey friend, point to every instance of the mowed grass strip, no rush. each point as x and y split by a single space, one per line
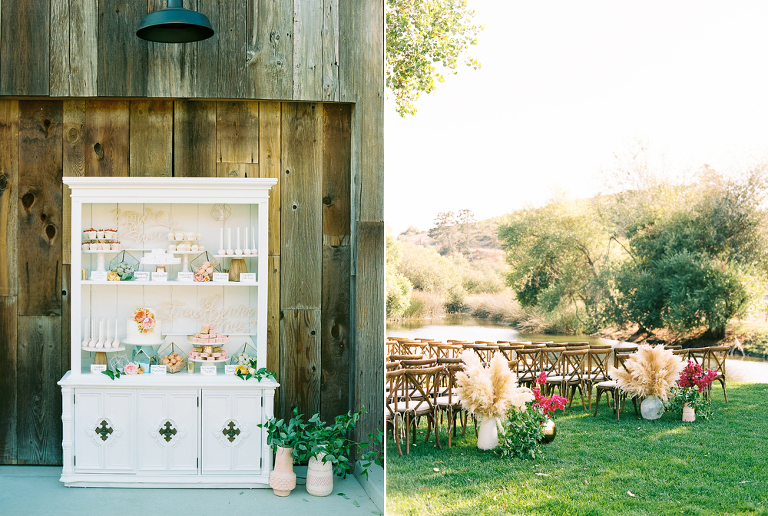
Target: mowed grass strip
713 467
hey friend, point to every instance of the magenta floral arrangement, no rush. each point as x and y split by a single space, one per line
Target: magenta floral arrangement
547 404
145 319
694 376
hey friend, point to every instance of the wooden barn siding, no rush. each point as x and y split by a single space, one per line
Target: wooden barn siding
86 48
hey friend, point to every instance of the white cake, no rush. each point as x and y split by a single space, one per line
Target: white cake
136 335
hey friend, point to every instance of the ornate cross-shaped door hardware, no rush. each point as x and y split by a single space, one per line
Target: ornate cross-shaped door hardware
167 431
104 430
231 431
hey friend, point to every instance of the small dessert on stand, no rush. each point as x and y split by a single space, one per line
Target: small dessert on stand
184 244
208 346
100 242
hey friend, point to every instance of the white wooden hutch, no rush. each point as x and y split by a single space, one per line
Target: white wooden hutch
172 430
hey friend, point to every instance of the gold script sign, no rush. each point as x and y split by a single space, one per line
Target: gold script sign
227 320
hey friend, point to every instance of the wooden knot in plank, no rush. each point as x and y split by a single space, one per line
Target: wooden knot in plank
97 148
27 200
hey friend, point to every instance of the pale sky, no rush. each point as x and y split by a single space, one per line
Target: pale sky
566 84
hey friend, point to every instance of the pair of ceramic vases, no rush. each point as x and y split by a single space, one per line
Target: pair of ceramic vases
282 479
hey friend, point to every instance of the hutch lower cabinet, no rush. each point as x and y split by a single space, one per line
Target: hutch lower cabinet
170 426
166 432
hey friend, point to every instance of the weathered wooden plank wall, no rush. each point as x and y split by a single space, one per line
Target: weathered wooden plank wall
161 117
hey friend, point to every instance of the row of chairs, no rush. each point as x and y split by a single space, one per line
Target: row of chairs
416 392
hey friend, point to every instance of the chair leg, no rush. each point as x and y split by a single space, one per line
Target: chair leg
397 438
597 401
407 435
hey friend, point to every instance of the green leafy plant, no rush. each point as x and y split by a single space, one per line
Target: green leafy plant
112 374
679 396
523 432
335 441
250 371
288 434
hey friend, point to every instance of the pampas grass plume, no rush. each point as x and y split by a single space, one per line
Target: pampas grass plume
650 371
490 391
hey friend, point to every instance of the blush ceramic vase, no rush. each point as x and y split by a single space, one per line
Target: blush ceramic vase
282 479
689 415
319 476
488 434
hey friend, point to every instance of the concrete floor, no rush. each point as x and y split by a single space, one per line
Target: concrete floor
36 491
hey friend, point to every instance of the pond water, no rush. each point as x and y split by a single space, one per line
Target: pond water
738 369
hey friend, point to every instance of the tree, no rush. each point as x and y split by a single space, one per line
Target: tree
444 232
697 256
466 220
559 256
419 34
398 286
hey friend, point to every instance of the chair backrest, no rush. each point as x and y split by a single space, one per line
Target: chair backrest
574 364
395 391
697 355
421 386
716 358
391 366
449 360
422 339
535 345
412 347
396 358
620 359
484 342
508 351
552 360
600 346
446 350
484 351
572 347
528 363
597 362
553 344
569 344
416 364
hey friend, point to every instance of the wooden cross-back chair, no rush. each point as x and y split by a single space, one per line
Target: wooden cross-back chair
715 360
421 388
575 373
509 352
447 350
597 369
528 365
484 351
612 390
448 401
553 363
394 403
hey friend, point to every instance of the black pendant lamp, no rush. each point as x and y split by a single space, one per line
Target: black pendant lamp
174 24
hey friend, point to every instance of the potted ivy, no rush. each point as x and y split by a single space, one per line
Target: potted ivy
329 448
285 438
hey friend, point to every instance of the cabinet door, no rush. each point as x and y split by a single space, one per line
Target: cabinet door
105 431
232 442
167 431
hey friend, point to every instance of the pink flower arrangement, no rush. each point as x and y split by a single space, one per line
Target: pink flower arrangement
548 404
694 376
131 368
144 318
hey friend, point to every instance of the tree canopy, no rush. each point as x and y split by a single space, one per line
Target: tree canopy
420 34
678 256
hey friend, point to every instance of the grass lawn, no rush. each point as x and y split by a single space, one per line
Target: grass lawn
706 467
